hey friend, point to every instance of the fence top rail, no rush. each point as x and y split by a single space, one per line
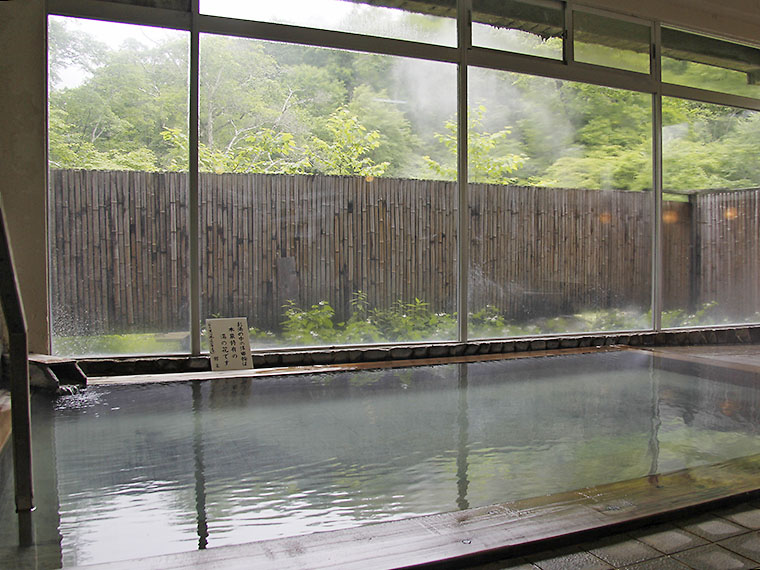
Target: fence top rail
682 192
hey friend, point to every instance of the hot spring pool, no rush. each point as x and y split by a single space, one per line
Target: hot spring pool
160 468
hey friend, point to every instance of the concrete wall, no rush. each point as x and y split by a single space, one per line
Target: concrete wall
23 163
23 120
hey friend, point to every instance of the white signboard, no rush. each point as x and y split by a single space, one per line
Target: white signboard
229 344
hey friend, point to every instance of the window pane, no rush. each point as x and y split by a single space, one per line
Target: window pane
711 217
182 5
328 201
611 43
430 21
518 27
560 207
709 63
118 236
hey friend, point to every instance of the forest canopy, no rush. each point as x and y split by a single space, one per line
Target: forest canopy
279 108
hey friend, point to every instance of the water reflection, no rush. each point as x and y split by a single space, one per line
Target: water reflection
463 443
200 471
654 442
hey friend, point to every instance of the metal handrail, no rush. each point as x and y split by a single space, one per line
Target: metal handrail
13 311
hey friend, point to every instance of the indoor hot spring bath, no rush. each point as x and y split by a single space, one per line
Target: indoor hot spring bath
133 471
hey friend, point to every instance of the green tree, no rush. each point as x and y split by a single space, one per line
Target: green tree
68 48
115 116
488 162
265 151
398 144
347 148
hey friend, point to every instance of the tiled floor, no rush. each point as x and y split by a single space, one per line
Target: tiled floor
724 539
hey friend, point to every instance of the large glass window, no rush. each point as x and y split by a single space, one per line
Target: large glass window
711 176
328 202
328 178
430 21
521 27
118 232
611 42
560 207
709 63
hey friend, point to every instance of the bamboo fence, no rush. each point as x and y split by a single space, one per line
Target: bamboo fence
119 259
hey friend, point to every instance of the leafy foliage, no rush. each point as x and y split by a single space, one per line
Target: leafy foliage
488 163
345 150
279 108
414 321
309 326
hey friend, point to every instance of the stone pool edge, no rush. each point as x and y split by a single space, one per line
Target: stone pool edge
480 534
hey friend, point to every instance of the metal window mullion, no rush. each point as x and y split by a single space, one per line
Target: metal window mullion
710 97
555 69
568 37
464 33
193 186
657 183
288 33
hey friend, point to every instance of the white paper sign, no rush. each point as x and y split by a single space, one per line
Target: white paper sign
229 344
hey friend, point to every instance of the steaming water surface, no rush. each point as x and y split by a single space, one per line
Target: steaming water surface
165 468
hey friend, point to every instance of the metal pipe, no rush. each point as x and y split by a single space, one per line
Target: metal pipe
21 425
657 184
193 186
464 31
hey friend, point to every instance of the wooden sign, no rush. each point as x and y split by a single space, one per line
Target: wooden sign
229 344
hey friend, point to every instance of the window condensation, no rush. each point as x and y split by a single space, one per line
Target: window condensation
710 219
118 197
327 193
560 207
317 246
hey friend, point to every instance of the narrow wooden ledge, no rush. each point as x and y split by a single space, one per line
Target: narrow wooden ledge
735 357
322 368
475 535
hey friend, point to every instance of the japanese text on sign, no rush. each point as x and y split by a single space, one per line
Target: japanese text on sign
229 344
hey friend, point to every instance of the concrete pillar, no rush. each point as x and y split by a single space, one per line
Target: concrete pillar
23 157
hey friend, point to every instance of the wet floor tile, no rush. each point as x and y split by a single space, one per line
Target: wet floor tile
568 559
668 538
745 515
712 528
748 545
622 551
662 563
714 557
